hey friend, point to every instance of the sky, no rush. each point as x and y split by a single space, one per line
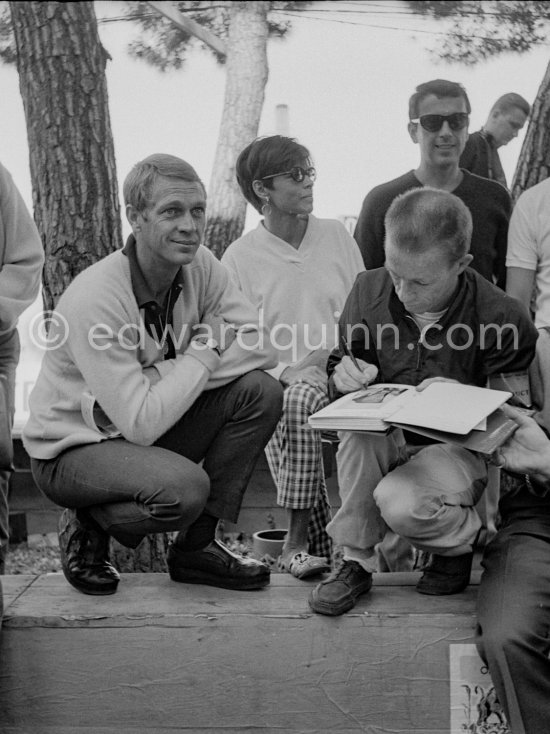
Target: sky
346 85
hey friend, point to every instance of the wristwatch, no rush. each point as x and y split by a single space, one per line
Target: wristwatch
211 343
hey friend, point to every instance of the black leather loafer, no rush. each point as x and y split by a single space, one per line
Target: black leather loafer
216 565
84 550
446 575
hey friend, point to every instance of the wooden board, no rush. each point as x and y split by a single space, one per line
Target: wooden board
164 657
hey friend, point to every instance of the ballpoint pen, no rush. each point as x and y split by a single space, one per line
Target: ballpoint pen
347 351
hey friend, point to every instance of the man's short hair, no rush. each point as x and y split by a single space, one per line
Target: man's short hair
138 184
426 218
263 157
439 88
509 101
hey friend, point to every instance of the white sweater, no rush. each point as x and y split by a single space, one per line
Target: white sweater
299 293
104 350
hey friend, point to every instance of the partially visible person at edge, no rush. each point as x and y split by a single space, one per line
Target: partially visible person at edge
506 118
528 280
298 271
447 323
438 123
158 369
21 261
513 603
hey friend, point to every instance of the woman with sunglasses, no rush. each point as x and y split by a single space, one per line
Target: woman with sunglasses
298 271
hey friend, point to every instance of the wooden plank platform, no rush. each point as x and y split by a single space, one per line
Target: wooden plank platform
160 657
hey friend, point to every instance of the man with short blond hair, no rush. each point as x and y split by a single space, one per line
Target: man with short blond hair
151 412
441 309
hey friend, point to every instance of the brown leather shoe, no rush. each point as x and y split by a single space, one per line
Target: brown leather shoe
339 593
84 550
446 575
216 565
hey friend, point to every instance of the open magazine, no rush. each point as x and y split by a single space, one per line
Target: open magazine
444 411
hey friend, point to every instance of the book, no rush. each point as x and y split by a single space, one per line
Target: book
498 429
445 411
364 410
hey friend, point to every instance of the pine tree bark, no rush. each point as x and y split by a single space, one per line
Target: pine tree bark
247 73
61 65
534 159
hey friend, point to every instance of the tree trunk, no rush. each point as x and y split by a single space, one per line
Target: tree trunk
247 73
148 557
534 160
61 65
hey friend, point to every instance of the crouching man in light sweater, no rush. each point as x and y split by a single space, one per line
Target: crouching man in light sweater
157 367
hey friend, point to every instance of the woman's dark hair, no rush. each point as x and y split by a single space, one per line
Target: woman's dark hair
263 157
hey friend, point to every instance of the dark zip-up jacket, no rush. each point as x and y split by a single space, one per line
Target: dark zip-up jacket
483 332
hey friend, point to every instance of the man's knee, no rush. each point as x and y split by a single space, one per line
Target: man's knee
502 636
263 393
180 492
396 501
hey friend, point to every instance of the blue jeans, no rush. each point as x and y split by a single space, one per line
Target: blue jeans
514 612
9 357
133 490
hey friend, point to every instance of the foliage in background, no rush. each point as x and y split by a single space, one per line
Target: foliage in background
165 46
480 29
244 28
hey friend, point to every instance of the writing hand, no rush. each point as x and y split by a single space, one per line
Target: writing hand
347 377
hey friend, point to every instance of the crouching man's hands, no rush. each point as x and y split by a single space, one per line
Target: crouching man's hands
347 377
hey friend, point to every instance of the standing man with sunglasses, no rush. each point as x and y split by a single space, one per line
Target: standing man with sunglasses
438 124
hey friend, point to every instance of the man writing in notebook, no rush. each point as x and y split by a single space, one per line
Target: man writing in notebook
425 316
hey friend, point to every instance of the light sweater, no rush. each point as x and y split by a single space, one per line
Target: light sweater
529 244
105 350
21 254
299 292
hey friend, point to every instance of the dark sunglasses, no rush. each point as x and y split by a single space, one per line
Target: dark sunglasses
433 123
297 173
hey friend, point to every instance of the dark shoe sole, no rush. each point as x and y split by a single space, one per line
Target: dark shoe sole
91 590
434 591
103 590
189 576
333 608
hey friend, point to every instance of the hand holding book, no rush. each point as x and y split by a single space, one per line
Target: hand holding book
527 451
